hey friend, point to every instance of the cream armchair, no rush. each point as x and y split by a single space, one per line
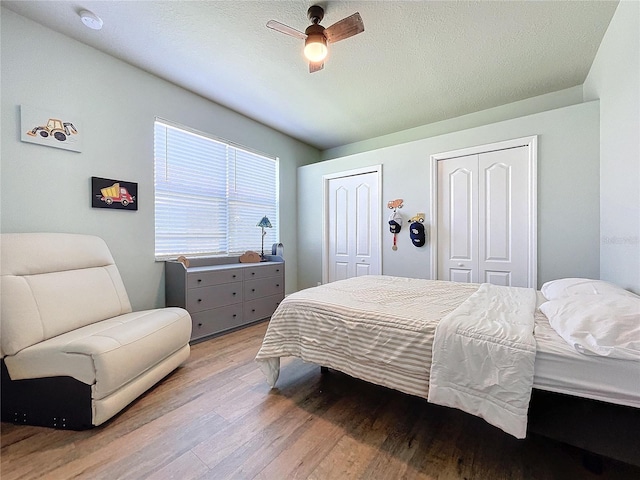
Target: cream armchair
73 352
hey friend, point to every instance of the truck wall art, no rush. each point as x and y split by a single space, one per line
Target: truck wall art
115 194
51 129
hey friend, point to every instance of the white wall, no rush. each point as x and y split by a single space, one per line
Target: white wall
48 189
615 80
568 200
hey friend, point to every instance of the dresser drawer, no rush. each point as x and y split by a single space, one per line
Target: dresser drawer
205 298
263 287
261 307
216 320
222 294
217 277
262 271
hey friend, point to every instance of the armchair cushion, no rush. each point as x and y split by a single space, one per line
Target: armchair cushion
55 283
107 354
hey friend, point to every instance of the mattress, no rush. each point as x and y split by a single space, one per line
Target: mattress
560 368
381 329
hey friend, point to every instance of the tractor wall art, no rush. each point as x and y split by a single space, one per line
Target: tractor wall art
55 129
50 129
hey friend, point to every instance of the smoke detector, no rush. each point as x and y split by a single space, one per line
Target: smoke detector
91 20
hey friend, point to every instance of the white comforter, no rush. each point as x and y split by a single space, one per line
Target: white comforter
483 357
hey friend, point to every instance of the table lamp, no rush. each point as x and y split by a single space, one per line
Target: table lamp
264 223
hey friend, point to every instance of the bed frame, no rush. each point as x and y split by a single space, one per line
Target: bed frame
601 428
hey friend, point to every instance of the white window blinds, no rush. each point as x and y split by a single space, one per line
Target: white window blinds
210 195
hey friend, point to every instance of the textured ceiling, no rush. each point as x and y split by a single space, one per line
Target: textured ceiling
417 62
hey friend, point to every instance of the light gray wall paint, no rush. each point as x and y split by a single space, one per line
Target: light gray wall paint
529 106
48 189
568 200
615 79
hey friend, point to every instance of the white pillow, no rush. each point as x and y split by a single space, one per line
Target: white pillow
605 325
565 287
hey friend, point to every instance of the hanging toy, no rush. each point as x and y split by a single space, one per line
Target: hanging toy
395 225
395 220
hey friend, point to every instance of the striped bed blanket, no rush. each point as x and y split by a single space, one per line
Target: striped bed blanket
376 328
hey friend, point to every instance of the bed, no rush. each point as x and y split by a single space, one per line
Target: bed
382 329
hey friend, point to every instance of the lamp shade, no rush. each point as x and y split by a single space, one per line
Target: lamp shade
264 223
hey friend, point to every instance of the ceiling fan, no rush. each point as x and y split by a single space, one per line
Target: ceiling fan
316 37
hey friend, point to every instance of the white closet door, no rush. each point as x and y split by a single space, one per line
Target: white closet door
483 218
503 228
458 219
353 208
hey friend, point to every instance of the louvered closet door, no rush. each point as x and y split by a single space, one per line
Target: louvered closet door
483 218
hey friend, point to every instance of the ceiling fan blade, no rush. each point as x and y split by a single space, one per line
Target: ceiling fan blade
287 30
345 28
315 67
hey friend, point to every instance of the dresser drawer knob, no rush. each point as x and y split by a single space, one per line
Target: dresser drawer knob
235 315
199 280
253 310
199 300
234 294
277 270
200 324
234 276
277 284
253 289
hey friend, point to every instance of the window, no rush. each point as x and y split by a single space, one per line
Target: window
210 195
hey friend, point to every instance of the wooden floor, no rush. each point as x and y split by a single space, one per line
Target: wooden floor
216 418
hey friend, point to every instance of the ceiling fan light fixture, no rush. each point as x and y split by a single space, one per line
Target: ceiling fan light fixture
315 48
316 37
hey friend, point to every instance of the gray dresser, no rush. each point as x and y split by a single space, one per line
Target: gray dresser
223 294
